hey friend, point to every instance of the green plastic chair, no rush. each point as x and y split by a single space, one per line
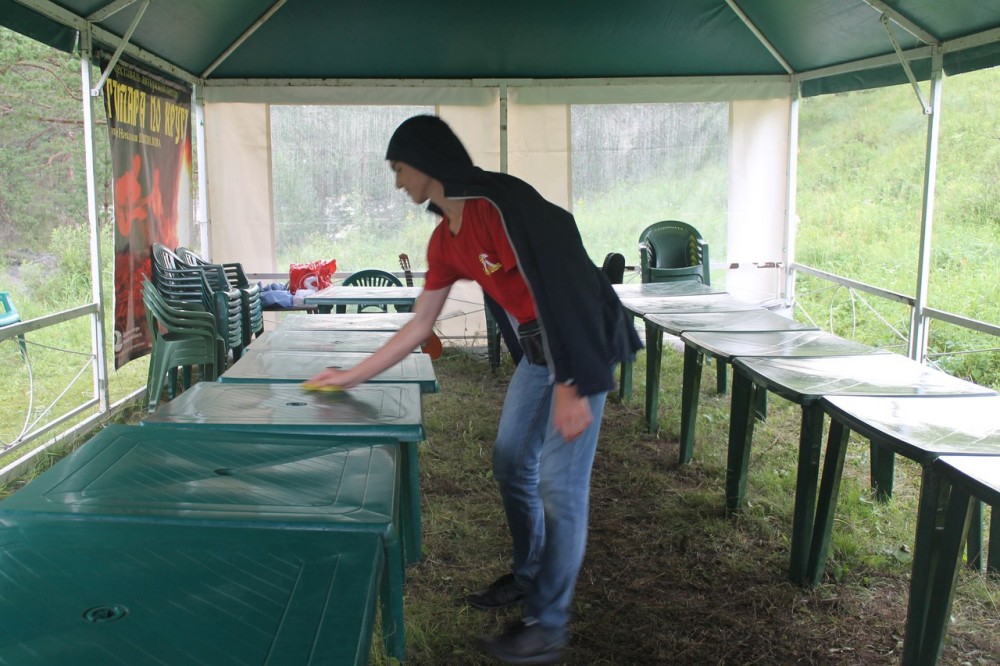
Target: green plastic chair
372 277
671 251
180 338
253 310
8 316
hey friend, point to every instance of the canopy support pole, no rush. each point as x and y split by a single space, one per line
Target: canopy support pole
791 213
198 104
503 127
97 288
919 324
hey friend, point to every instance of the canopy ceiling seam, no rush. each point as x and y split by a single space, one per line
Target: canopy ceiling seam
760 36
264 18
495 83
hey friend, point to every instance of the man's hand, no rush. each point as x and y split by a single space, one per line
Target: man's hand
571 412
332 377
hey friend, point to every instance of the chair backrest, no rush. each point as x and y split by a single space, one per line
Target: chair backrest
614 267
673 250
370 277
9 314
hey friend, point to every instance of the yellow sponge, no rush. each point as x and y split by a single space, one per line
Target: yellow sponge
317 387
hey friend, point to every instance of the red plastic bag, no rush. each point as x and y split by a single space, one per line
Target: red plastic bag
315 275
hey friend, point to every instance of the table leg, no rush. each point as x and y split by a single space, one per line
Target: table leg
654 359
690 386
810 445
883 471
410 509
929 517
826 505
393 626
741 423
625 379
937 555
720 376
974 542
993 557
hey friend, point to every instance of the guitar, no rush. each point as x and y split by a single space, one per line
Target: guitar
432 345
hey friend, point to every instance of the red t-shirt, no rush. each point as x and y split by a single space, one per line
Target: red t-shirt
479 251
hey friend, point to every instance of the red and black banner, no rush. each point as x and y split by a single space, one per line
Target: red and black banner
149 125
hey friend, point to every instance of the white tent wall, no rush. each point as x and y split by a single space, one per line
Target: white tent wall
240 199
758 191
238 157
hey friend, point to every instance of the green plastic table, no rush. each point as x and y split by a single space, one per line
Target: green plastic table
640 306
326 299
805 381
952 486
724 346
654 289
324 341
921 428
278 366
218 478
99 592
385 411
373 321
742 320
677 288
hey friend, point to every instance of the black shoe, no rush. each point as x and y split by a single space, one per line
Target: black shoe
504 591
525 643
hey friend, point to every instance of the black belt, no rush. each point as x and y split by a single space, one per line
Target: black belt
529 334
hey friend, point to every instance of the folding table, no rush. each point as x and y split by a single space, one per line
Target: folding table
101 592
278 366
323 341
741 320
326 299
952 486
640 306
921 428
724 346
382 411
804 381
677 288
374 321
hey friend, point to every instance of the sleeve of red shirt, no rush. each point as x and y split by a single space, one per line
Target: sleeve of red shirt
439 274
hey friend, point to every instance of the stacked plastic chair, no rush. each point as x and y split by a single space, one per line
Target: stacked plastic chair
181 337
253 309
206 286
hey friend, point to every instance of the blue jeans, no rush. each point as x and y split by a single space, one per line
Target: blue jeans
545 485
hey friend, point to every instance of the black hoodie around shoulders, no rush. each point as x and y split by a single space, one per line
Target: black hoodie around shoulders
585 328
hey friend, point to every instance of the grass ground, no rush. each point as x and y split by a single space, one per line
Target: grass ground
668 577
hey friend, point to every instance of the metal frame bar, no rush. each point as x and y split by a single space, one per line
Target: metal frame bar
242 38
760 36
96 90
20 328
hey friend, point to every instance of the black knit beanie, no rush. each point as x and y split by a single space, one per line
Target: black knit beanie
428 144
